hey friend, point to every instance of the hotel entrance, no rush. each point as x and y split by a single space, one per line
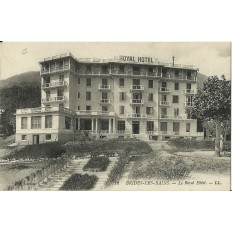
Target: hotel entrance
35 139
135 127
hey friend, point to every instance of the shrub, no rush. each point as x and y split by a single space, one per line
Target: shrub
188 144
45 150
79 182
97 163
169 168
110 146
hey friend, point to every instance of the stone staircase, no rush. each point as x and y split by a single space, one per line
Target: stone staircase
76 166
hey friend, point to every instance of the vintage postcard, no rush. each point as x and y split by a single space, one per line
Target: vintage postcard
115 116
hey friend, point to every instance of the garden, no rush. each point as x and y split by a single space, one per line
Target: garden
98 164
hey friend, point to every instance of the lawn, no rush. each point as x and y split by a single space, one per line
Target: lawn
171 167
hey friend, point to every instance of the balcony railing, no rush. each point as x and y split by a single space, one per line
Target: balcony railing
55 69
164 103
175 117
54 99
95 113
190 91
180 77
137 102
104 101
188 104
137 115
44 109
136 88
55 84
104 87
154 132
164 90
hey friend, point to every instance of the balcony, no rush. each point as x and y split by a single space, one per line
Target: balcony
174 117
49 70
179 78
54 99
104 101
137 102
94 72
136 88
188 104
104 87
164 90
189 92
164 103
137 115
54 85
152 132
94 113
44 109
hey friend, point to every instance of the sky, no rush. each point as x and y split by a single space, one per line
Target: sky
210 58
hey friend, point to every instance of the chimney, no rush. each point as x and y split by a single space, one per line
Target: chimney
173 60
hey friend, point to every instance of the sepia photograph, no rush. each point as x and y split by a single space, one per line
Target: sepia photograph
115 116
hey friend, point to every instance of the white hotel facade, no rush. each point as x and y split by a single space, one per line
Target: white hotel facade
122 97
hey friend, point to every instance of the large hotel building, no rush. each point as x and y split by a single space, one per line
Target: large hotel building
122 97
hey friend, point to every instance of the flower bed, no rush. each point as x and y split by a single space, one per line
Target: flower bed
97 164
79 182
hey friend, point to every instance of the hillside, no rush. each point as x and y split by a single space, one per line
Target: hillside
28 78
201 78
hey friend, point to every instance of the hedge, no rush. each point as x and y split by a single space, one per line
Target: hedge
97 164
79 182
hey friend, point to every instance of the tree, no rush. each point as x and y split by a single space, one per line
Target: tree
213 102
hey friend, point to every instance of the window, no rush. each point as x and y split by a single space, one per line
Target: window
150 97
175 99
136 82
149 110
188 127
188 114
48 121
36 122
88 108
121 110
163 112
88 96
121 96
104 69
189 73
150 69
104 82
61 78
164 98
188 86
24 137
121 69
121 82
121 125
78 107
163 126
78 80
24 123
176 126
176 86
104 108
48 137
88 68
136 70
164 84
78 94
67 123
104 95
176 112
88 82
150 126
150 83
177 72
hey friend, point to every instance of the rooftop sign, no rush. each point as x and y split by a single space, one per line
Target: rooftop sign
139 59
